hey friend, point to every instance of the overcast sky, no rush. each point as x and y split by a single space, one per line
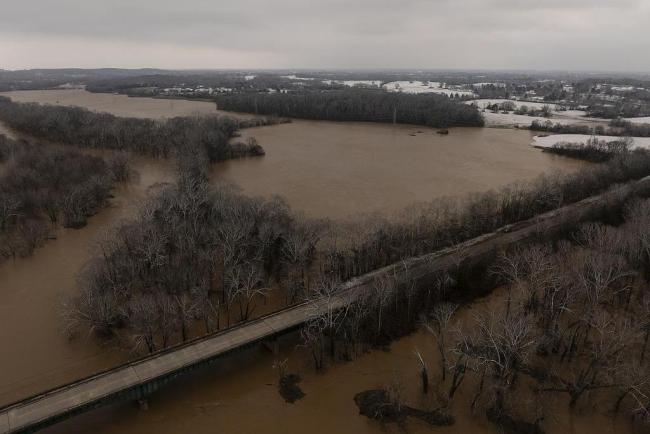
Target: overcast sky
612 35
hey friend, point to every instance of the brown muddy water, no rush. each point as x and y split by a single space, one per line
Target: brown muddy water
239 396
331 169
322 168
119 105
36 355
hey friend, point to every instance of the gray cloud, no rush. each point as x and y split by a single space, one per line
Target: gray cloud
547 34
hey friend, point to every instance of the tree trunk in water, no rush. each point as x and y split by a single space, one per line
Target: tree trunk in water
620 399
645 344
425 380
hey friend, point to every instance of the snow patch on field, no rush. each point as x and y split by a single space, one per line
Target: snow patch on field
295 77
622 88
550 141
565 117
511 119
644 120
483 103
424 87
352 83
482 85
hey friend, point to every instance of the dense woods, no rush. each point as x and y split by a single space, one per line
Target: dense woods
595 150
636 105
42 186
571 323
194 257
568 327
617 127
158 138
356 105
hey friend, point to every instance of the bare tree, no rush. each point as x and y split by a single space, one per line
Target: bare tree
95 311
298 248
245 283
358 311
499 346
382 290
186 311
33 232
602 358
331 309
438 325
633 379
9 210
144 316
424 372
207 307
312 335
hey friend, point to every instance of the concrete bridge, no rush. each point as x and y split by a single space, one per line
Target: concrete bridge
135 380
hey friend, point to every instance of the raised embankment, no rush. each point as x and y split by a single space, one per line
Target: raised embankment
136 379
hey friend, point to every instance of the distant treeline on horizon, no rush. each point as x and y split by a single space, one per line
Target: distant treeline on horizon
356 105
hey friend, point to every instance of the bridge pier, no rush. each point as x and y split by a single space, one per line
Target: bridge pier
272 345
143 404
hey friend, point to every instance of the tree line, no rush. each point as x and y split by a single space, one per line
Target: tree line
374 242
42 186
510 106
595 150
572 320
617 127
158 138
193 261
630 107
356 105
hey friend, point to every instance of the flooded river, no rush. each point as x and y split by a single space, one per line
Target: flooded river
240 396
36 355
119 105
322 168
330 169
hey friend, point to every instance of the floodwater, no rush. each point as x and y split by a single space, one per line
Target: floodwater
239 396
36 355
331 169
322 168
119 105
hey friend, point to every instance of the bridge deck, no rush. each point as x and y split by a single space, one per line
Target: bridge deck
133 374
54 404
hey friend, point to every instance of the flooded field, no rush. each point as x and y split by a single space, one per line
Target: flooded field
119 105
36 354
330 169
334 169
324 169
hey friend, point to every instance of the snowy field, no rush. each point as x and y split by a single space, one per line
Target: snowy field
352 83
645 120
567 117
514 120
295 77
424 87
549 141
